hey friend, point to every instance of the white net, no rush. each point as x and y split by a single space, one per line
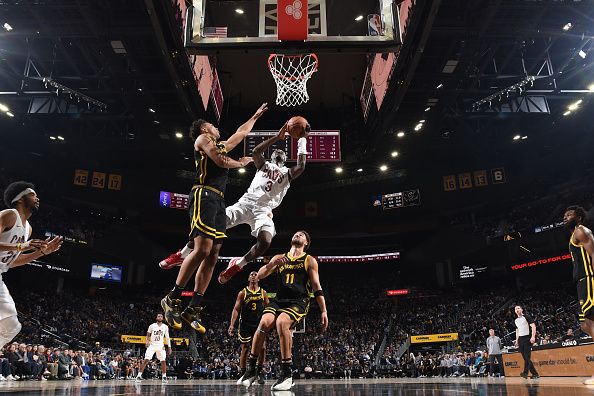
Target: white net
290 73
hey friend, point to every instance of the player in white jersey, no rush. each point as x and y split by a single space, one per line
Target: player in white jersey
266 192
157 336
16 249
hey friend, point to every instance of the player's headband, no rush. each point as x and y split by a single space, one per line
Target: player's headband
22 194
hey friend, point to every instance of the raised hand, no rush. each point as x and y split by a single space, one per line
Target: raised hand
261 110
53 245
245 160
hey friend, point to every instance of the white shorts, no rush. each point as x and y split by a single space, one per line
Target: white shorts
7 306
258 218
158 349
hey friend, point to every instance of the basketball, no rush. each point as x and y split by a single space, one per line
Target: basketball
298 127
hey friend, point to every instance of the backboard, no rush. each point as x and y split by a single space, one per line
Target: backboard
363 26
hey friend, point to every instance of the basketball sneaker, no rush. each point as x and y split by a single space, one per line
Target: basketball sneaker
192 316
231 270
174 260
589 381
261 379
284 383
171 310
249 377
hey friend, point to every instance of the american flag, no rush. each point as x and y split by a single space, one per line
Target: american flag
215 32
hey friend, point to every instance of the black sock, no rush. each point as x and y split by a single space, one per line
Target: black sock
252 360
286 367
196 300
258 368
175 293
241 371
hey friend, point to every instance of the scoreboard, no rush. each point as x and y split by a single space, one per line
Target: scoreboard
173 200
401 199
322 146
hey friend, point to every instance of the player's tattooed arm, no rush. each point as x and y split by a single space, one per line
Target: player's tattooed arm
235 313
204 143
298 169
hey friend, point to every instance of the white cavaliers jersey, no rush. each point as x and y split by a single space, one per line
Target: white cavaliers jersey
158 334
19 233
268 187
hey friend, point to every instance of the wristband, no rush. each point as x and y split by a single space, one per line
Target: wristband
19 247
319 293
302 146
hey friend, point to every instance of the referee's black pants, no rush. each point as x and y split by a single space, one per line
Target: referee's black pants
526 350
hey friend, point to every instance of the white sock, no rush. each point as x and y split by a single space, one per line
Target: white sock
242 262
185 251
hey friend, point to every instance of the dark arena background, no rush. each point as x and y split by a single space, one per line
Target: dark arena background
447 140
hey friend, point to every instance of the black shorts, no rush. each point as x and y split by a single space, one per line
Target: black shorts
246 332
585 292
296 308
207 214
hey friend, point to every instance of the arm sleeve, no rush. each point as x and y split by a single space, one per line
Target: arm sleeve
167 335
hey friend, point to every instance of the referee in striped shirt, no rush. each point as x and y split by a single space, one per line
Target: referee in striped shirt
525 337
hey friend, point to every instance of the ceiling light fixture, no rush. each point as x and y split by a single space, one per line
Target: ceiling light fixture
383 168
394 154
517 137
8 113
418 127
568 112
239 11
400 134
52 137
427 109
440 86
360 170
567 26
179 135
338 169
60 138
7 27
359 18
591 88
582 54
241 170
3 107
152 110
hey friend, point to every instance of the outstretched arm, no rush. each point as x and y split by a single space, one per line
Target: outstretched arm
269 268
314 280
8 219
298 169
235 313
52 246
244 129
206 144
258 153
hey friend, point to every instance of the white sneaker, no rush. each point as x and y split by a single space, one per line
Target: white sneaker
43 378
163 380
2 378
138 379
286 384
11 378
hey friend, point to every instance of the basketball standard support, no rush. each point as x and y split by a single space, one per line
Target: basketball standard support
196 42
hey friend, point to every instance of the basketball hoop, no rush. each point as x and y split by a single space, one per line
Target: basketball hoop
290 73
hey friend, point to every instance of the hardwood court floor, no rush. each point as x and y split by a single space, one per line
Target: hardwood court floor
407 386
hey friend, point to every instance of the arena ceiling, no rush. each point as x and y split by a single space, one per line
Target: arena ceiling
127 55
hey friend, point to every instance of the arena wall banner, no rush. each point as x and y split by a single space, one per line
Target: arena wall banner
136 339
445 337
565 361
